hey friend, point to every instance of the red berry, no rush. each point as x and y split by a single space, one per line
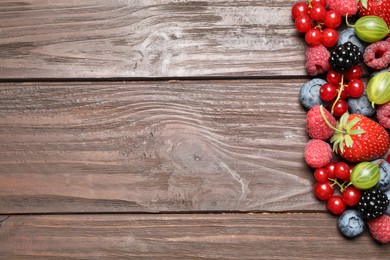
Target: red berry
299 9
328 92
356 72
313 37
341 170
336 205
321 174
303 23
322 2
333 77
323 190
329 37
332 19
330 169
339 108
344 92
351 196
355 88
317 12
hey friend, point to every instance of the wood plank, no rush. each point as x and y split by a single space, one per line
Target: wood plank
238 236
147 146
165 38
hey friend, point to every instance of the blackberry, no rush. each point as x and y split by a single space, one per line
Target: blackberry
373 203
344 57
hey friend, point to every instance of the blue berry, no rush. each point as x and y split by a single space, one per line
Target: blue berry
361 105
309 95
348 35
351 223
384 179
388 207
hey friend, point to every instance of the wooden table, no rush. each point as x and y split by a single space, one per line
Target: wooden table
157 129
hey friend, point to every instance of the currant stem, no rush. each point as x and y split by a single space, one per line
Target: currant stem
341 89
328 123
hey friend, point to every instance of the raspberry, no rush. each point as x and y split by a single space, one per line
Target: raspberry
317 153
316 126
383 115
344 7
380 229
377 55
317 60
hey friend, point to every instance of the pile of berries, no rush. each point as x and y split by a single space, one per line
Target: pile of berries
348 121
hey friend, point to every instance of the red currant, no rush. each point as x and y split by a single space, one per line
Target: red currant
341 170
351 196
303 23
355 88
321 174
298 9
328 92
339 108
333 77
313 37
332 19
323 190
330 169
356 72
344 92
329 37
336 205
322 2
317 12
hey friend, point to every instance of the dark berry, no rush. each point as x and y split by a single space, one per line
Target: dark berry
373 203
344 57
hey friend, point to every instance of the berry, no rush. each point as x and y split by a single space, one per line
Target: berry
339 107
351 224
333 77
323 190
303 23
313 37
317 60
329 37
342 170
377 55
332 19
321 174
330 169
356 72
309 94
344 57
344 7
380 229
373 203
316 126
384 179
355 88
299 8
317 12
348 35
336 205
361 106
317 153
383 114
351 196
328 92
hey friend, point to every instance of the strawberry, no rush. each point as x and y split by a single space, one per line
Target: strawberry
358 138
380 229
379 8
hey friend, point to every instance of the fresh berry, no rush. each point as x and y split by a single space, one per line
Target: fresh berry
339 107
336 205
351 224
377 55
333 77
332 19
351 196
379 8
348 35
384 179
321 174
328 92
317 12
344 57
344 7
342 170
359 138
323 190
316 127
317 153
373 203
303 23
329 37
361 106
330 170
313 37
356 72
299 8
355 88
383 115
380 229
309 94
317 60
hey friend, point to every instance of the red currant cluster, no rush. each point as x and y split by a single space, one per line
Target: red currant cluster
336 173
341 86
316 22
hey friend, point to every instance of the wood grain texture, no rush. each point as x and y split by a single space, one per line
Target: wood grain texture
244 236
148 39
158 146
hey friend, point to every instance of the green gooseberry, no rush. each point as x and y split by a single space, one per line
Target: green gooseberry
371 28
365 175
378 88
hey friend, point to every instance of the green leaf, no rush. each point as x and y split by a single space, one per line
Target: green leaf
364 3
348 141
352 123
356 132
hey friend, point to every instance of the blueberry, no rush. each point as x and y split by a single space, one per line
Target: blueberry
309 96
361 105
388 207
351 223
348 35
384 180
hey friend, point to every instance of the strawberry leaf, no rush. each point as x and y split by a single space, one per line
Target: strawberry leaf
364 3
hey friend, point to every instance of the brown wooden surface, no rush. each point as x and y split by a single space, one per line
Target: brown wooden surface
135 129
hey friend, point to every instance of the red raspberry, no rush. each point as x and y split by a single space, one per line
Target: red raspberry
317 60
377 55
317 153
344 7
380 229
383 115
316 126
